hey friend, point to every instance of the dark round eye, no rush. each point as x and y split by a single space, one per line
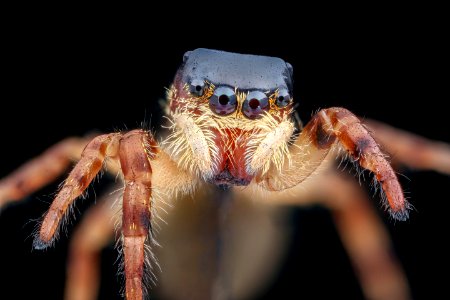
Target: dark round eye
283 98
197 87
254 105
223 101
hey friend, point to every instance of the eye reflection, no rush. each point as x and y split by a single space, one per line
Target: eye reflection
255 104
223 101
284 98
197 87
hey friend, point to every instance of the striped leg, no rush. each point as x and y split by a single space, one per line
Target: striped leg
79 179
41 170
412 150
135 154
44 169
338 126
134 150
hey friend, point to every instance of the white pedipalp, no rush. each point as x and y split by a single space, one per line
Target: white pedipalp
269 146
191 145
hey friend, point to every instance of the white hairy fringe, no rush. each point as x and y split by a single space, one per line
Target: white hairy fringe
158 204
191 143
188 134
268 146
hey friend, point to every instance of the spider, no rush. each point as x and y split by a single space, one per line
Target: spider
231 124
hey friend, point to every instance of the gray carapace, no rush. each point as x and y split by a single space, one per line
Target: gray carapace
237 70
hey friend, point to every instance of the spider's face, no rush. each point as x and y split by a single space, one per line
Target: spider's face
231 115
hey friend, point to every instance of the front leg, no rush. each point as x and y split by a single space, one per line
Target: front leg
138 154
146 170
92 160
134 149
339 126
135 155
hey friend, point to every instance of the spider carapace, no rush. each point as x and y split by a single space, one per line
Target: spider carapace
230 123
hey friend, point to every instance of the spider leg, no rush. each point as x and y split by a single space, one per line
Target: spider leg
40 171
43 169
134 150
411 150
363 234
141 182
365 238
78 180
337 126
135 155
95 232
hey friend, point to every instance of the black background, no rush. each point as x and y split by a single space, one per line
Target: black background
63 78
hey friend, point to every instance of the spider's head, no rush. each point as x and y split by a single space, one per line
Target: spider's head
226 109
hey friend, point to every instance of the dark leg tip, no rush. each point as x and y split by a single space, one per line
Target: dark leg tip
401 215
39 244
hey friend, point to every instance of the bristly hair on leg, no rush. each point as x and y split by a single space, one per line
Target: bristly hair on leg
66 219
401 215
151 264
120 261
150 278
377 188
146 124
150 261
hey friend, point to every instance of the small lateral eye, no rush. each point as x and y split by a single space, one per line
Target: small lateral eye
223 101
197 87
255 104
283 99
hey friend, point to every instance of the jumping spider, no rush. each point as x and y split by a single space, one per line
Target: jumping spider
231 124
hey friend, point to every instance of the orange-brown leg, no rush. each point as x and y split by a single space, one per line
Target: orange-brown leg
136 150
94 233
361 230
86 169
364 237
411 150
41 171
339 126
44 169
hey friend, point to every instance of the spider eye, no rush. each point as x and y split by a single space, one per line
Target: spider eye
223 101
197 87
254 105
283 98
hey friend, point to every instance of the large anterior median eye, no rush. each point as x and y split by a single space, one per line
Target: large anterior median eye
223 101
255 104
